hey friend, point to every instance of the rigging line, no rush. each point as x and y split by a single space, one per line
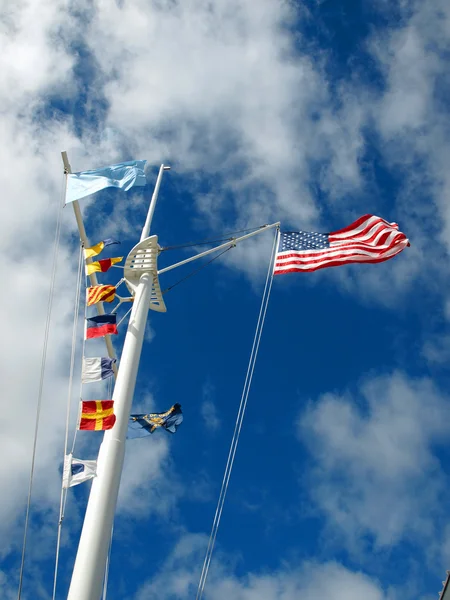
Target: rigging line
196 271
108 561
62 503
231 456
236 434
83 346
41 386
200 243
234 441
239 421
125 315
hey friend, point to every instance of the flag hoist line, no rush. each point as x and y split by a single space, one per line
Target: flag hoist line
90 563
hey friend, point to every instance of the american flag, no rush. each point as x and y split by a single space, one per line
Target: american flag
369 239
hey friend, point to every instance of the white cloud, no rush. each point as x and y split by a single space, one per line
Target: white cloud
208 409
375 472
308 581
411 114
35 65
222 91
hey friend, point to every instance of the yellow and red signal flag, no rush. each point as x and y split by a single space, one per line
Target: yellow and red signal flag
100 293
102 265
94 250
97 415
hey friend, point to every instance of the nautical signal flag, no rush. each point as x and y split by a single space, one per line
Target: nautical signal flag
123 175
102 265
96 369
100 293
141 425
369 239
100 326
97 415
94 250
77 471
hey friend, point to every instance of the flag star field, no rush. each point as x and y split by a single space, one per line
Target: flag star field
332 118
303 241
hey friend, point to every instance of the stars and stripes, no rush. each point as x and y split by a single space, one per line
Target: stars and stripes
369 239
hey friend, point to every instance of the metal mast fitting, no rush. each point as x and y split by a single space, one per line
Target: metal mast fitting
143 259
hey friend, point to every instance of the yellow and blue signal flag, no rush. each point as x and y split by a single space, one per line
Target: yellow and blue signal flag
141 425
94 250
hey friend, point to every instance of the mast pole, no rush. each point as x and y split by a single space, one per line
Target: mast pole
90 562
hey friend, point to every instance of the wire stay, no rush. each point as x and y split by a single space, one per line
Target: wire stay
239 421
51 294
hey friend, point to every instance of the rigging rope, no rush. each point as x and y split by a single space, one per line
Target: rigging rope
195 271
239 421
63 498
201 242
108 562
41 386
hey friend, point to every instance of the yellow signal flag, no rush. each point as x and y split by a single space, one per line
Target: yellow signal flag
102 266
100 293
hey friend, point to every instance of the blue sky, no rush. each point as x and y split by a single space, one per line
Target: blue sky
310 113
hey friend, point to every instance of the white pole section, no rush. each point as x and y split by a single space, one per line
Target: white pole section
90 563
85 242
229 244
151 210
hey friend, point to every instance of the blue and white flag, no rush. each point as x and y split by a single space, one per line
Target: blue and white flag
124 176
77 471
96 369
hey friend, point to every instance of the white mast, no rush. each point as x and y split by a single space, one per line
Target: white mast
89 569
141 277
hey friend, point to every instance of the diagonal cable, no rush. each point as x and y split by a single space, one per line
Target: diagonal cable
238 425
40 390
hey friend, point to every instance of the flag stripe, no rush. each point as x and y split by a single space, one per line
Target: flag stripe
312 256
101 330
360 227
295 266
